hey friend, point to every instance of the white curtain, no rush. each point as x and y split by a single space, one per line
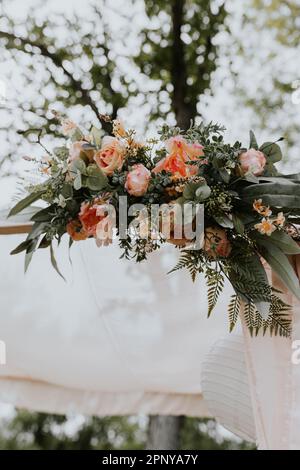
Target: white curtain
116 338
275 380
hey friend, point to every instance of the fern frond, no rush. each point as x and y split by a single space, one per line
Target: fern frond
215 285
191 261
233 311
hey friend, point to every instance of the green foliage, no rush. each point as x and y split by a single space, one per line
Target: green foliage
215 285
233 311
180 54
39 431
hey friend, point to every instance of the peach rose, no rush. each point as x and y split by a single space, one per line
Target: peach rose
137 180
253 161
180 152
111 156
76 231
216 242
89 218
77 151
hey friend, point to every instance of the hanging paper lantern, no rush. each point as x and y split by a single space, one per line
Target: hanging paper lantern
225 386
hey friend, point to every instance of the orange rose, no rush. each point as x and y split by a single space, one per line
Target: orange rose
137 180
216 242
253 161
180 152
89 217
111 156
76 231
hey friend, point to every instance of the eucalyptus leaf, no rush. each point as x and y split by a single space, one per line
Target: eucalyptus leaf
197 192
21 247
282 240
272 151
77 183
54 263
202 193
238 224
44 215
281 265
96 135
37 229
27 201
96 180
253 142
78 165
224 221
29 253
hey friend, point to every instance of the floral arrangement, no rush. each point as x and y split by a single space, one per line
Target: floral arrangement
249 211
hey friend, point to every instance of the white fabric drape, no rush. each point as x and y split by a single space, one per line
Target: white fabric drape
275 380
116 338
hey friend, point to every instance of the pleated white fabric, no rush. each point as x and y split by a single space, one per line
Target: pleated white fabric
225 386
116 338
275 381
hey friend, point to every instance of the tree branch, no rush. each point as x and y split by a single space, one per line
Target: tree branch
76 84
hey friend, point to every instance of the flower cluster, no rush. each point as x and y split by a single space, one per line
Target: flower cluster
269 224
92 179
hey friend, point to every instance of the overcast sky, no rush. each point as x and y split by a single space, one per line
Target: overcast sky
253 73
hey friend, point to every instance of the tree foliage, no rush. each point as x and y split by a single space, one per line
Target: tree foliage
40 431
94 69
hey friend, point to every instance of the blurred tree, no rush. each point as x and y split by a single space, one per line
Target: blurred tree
92 69
178 49
264 53
177 52
39 431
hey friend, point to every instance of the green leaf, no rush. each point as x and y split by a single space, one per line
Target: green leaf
197 192
44 243
278 192
21 247
37 229
67 191
272 152
78 166
281 239
27 201
44 215
281 265
224 221
224 175
29 253
238 224
294 176
77 183
54 263
251 178
96 135
253 142
96 179
76 135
